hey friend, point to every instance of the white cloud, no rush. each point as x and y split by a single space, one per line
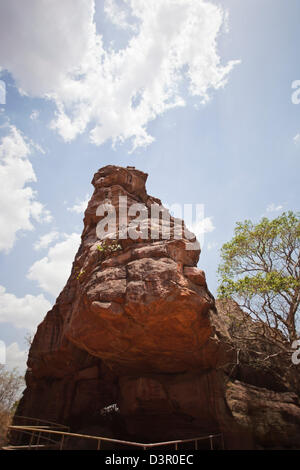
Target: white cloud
297 139
19 205
202 226
45 240
52 271
273 208
16 358
80 206
118 16
115 93
42 43
22 312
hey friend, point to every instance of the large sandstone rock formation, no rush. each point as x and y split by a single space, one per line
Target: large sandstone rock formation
137 326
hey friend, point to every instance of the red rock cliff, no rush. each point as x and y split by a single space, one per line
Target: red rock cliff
136 325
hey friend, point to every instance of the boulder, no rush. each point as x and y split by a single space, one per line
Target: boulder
136 326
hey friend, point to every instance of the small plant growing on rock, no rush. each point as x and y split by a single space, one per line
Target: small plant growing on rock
106 248
79 274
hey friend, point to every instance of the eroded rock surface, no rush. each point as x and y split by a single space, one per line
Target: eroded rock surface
137 326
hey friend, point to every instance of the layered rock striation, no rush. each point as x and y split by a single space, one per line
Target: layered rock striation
136 326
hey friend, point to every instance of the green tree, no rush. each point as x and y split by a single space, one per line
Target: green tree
260 270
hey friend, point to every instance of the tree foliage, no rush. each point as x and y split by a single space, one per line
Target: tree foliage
10 387
260 270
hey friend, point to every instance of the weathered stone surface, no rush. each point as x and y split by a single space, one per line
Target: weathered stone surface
272 417
195 275
138 327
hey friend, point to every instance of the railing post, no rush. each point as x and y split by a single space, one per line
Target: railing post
62 442
99 444
19 434
196 444
211 442
31 439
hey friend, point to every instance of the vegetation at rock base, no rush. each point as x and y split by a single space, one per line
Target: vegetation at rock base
10 386
260 270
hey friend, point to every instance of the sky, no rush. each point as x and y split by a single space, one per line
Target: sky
204 96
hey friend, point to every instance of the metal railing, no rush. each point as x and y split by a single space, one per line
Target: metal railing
47 434
37 421
34 432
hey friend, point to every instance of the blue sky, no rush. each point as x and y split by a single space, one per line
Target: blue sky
212 122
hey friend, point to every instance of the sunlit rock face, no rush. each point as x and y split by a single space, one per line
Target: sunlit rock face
137 308
137 326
